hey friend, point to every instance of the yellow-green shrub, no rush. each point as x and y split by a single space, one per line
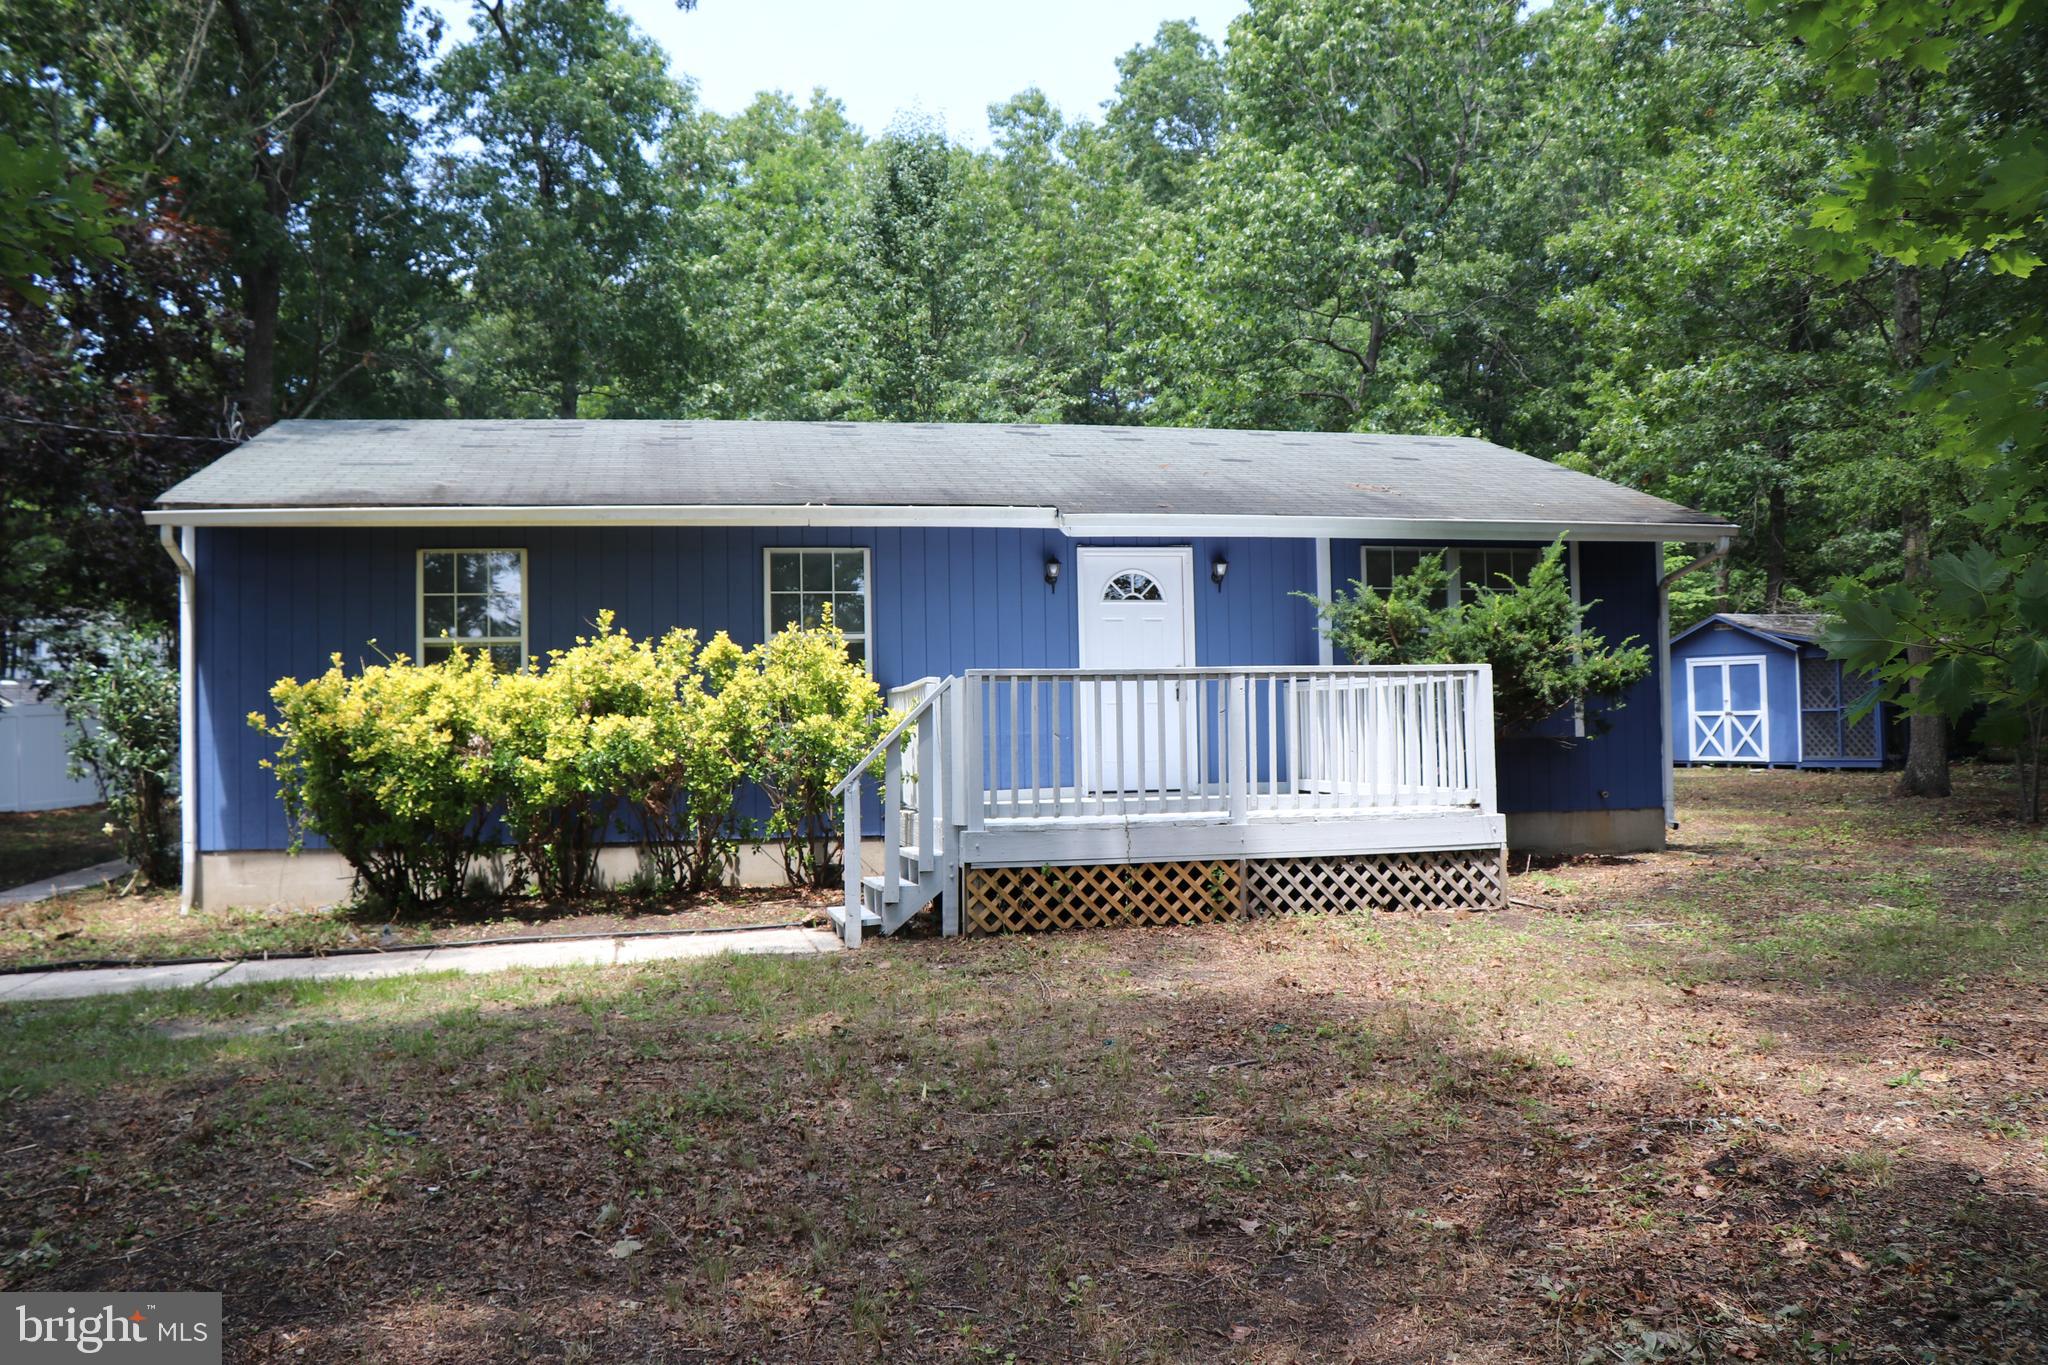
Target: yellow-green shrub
391 766
800 712
598 726
688 819
402 767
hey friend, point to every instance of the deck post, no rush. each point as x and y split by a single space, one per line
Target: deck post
929 748
892 824
850 856
1482 737
974 692
1237 761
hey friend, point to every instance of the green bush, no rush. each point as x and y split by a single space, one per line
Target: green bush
123 705
402 767
392 767
1543 656
598 727
689 818
800 712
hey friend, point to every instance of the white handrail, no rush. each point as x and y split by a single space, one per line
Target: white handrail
853 774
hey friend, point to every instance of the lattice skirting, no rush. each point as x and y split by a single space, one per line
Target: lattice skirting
1097 895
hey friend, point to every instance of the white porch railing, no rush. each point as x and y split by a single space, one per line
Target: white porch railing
1028 749
1226 743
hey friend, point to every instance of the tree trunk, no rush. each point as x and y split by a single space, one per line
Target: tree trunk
262 286
1926 772
1774 550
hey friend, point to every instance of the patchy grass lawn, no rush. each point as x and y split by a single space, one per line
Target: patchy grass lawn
1779 1094
35 844
102 925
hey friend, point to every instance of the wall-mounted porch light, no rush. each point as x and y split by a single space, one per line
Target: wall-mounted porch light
1052 575
1217 570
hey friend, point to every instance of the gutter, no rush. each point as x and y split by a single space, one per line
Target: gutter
1720 552
188 715
1080 525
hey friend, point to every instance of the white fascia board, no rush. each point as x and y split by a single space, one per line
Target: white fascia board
1081 526
816 514
1086 525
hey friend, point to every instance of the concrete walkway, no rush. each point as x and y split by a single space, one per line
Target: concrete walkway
593 952
65 883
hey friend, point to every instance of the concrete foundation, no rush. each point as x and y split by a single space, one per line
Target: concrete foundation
1587 831
323 877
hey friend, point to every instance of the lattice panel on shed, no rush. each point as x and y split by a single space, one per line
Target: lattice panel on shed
1036 899
1094 896
1465 879
1859 737
1818 737
1819 684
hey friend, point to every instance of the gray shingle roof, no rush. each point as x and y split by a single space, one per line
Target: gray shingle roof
1073 470
1791 625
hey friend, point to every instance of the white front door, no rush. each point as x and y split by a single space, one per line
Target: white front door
1137 616
1730 718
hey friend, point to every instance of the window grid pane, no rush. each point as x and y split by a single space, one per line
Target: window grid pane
801 583
474 599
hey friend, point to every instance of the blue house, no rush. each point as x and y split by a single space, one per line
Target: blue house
1098 626
1759 690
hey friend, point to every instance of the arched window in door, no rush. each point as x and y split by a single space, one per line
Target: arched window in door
1131 586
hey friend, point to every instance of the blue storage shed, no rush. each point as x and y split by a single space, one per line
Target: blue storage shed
1759 690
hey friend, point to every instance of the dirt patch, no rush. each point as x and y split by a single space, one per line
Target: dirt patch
104 925
1704 1108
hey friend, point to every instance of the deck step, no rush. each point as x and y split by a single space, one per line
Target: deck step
837 914
913 895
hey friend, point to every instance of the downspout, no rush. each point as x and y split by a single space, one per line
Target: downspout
188 711
1718 553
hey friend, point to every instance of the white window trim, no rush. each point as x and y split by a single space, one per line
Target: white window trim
867 592
1453 585
419 602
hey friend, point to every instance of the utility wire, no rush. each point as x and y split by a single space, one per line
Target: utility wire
115 431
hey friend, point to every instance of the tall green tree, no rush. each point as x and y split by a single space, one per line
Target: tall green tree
1725 369
1964 184
1169 112
916 278
782 188
564 102
1304 279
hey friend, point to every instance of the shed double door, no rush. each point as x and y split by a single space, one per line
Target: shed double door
1730 712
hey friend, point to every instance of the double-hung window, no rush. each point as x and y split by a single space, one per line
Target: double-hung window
1466 567
475 599
803 583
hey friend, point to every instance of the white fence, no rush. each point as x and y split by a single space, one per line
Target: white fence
33 757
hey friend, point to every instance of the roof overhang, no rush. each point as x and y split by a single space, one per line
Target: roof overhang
1719 621
1079 525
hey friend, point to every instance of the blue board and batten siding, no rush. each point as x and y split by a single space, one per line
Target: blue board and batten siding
277 602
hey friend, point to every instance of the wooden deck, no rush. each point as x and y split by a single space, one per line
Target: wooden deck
1069 767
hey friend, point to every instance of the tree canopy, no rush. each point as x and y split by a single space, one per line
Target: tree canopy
1774 260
